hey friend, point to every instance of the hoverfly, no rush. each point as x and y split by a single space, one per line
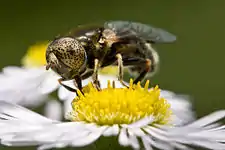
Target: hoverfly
82 52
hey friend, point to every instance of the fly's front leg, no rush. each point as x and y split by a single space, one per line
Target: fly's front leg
95 74
120 69
66 86
77 83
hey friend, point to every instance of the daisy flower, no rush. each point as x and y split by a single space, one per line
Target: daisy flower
115 118
32 85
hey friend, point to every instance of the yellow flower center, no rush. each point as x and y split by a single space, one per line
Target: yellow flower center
111 70
120 105
35 56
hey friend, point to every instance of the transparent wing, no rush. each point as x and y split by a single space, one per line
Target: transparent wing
126 29
82 30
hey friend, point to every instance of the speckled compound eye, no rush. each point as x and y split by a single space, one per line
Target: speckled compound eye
66 56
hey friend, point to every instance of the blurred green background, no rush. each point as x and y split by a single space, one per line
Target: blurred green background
193 65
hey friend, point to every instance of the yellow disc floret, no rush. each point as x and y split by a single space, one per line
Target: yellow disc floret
120 105
111 70
35 56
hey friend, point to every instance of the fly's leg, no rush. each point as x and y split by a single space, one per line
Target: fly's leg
146 64
120 69
65 86
143 73
77 82
95 74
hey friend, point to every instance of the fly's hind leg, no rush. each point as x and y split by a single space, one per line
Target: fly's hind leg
146 69
120 69
144 64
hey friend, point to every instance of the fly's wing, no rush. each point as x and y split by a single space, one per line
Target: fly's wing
81 30
126 29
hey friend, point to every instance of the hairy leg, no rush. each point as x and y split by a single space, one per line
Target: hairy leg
145 64
120 69
95 74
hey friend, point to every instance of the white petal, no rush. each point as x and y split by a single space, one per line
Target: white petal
209 119
26 86
137 132
20 113
25 98
17 143
157 133
123 138
65 94
111 131
146 144
49 146
157 144
181 107
12 70
209 145
67 106
49 83
143 122
88 139
53 110
83 139
181 146
19 126
195 133
133 139
67 134
15 119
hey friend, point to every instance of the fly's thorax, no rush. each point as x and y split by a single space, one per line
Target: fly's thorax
95 45
90 41
108 37
90 46
66 56
90 37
